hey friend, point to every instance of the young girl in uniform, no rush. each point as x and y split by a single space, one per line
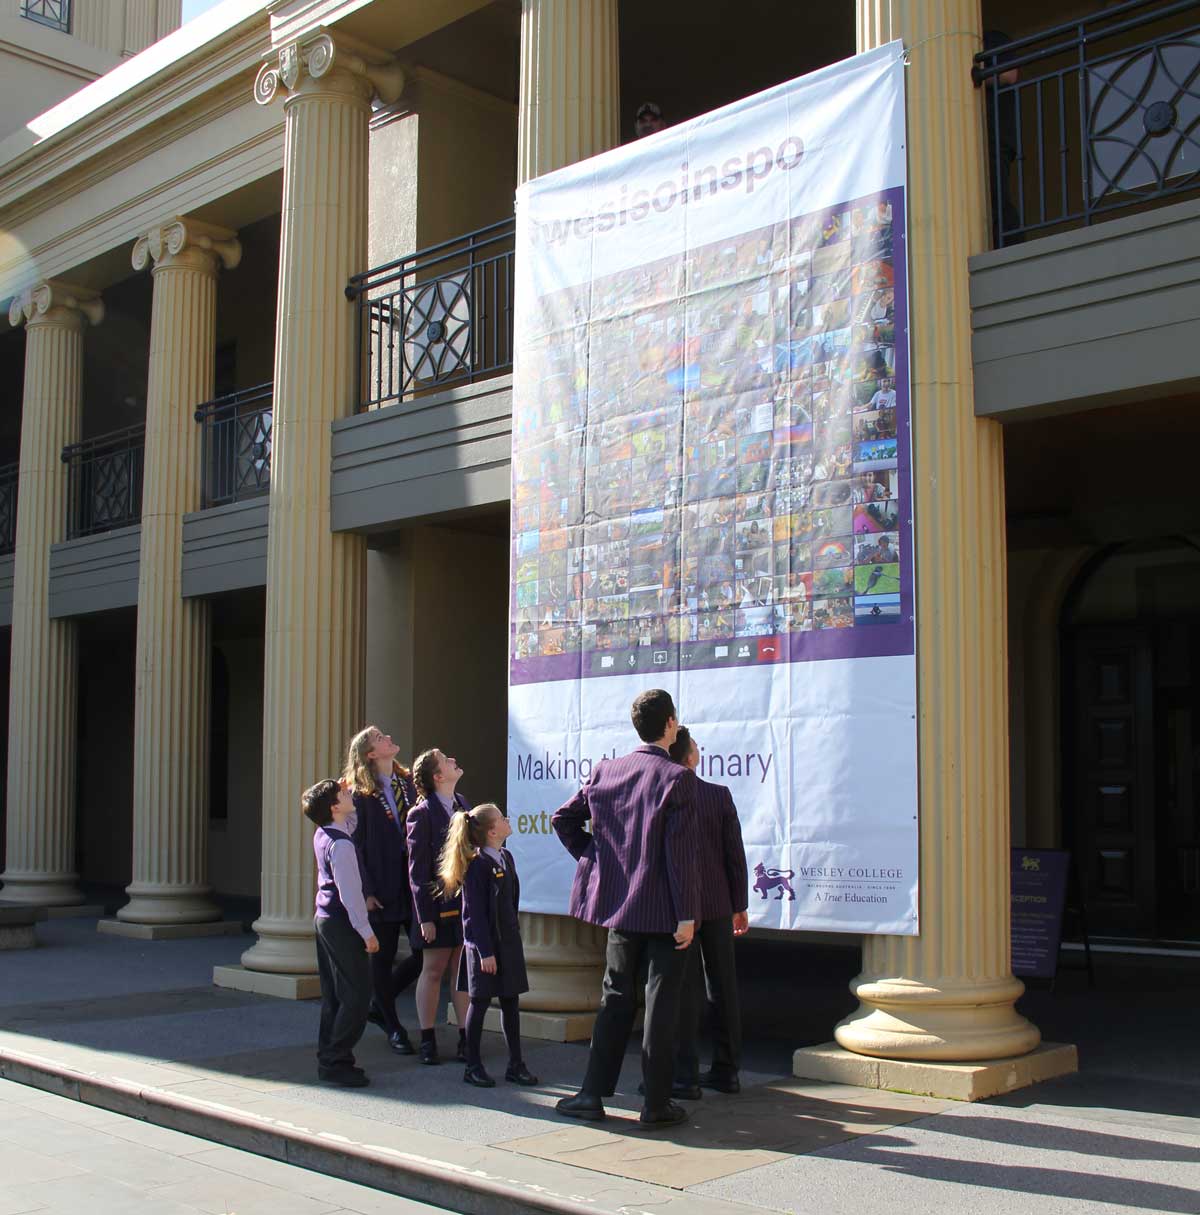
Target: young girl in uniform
475 864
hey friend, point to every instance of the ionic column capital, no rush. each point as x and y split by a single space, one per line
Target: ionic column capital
52 302
316 59
187 242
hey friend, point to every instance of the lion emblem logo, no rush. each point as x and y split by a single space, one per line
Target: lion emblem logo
774 879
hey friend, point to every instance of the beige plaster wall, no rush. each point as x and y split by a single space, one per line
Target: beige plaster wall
246 299
392 187
437 614
467 157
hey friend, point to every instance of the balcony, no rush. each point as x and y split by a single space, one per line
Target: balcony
236 460
1093 119
104 482
438 318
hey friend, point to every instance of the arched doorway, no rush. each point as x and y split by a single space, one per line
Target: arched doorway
1131 739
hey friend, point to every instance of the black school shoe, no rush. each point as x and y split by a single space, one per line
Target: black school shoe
399 1043
343 1077
519 1074
429 1053
476 1074
582 1105
722 1082
658 1120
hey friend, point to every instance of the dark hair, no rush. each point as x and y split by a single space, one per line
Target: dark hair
424 769
319 801
650 713
681 748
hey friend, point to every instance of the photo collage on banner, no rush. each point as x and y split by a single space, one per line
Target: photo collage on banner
736 490
712 486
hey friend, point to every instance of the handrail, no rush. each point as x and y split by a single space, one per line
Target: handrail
236 455
1085 120
104 481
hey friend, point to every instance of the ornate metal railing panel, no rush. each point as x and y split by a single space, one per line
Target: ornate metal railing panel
104 482
1093 117
439 317
54 13
8 507
237 445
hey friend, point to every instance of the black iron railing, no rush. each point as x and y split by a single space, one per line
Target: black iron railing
8 507
439 317
104 482
54 13
237 445
1093 117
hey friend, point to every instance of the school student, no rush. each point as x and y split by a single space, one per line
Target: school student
439 916
383 795
344 936
476 864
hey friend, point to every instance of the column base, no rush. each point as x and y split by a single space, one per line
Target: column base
949 1081
284 947
565 962
261 983
69 911
41 889
169 932
545 1027
152 904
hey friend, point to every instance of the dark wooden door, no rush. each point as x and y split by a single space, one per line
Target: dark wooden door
1113 780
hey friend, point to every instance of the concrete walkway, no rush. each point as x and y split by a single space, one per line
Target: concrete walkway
135 1027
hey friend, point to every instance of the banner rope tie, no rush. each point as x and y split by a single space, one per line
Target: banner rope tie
906 58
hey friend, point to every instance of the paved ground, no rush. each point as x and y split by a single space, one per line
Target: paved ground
1122 1136
59 1157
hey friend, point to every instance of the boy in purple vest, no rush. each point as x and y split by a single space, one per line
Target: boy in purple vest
342 929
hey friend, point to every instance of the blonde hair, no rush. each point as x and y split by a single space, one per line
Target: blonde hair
467 834
359 772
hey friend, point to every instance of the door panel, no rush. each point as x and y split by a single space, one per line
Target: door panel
1112 779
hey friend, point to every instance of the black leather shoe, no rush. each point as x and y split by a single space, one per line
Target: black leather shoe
343 1077
399 1042
520 1074
429 1053
582 1105
722 1082
657 1120
477 1075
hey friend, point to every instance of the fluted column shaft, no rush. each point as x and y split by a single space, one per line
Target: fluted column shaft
569 109
42 680
569 106
171 690
948 993
315 580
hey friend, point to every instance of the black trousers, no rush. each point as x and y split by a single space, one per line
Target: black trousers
388 979
711 975
665 965
345 990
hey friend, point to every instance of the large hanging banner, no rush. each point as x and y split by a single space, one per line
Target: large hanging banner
712 487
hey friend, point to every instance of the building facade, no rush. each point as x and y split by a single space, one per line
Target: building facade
257 490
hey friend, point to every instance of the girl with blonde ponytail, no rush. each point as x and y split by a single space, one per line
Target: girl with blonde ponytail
475 864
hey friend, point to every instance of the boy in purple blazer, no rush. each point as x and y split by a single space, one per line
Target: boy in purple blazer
724 899
638 876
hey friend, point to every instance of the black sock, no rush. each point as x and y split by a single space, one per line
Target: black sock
428 1035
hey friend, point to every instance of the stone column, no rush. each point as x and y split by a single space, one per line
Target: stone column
315 594
570 99
170 730
41 730
948 994
569 109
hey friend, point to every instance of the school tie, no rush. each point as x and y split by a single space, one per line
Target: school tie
398 793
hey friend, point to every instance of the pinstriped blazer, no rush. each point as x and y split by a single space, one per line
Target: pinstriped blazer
638 870
724 885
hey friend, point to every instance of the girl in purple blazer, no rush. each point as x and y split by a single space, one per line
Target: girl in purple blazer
438 918
475 864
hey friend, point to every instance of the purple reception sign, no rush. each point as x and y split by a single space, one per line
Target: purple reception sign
1039 895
